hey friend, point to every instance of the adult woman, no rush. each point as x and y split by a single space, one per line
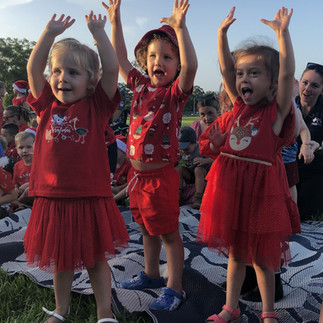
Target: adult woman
310 102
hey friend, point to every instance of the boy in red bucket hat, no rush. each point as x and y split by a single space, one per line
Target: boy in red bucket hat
168 58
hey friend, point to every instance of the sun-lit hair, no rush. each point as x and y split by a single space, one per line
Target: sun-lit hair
79 54
267 54
141 54
23 135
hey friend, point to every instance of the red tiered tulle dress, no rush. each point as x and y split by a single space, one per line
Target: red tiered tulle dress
73 234
247 209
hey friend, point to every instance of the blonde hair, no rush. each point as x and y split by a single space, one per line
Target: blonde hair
22 135
80 54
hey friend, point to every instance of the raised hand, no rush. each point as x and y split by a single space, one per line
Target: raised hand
113 10
57 27
281 20
228 21
215 136
95 23
177 19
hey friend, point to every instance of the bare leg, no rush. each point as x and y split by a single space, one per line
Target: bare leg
101 283
200 174
180 173
293 193
266 284
62 289
321 314
175 259
152 246
235 276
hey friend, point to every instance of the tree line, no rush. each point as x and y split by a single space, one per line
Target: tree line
14 54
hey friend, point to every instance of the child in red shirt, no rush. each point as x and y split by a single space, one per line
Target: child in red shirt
20 90
21 171
168 58
75 223
9 131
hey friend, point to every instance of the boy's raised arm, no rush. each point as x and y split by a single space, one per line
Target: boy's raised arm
38 58
225 59
109 61
188 59
117 38
286 60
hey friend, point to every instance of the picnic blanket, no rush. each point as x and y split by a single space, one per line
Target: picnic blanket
203 275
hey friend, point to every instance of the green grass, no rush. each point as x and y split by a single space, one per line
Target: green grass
22 301
187 120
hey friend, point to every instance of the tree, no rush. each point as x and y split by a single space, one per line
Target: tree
14 54
190 106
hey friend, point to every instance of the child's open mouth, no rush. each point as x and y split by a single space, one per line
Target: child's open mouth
159 73
246 92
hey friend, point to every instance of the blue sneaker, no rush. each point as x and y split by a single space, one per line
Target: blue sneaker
169 300
141 281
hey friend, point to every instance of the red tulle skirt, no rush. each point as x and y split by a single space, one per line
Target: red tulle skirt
73 234
247 212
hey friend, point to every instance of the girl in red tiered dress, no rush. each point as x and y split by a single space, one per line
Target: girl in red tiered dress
247 211
75 223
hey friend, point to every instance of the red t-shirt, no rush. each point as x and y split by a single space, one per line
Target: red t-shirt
155 119
121 174
12 152
6 183
70 158
19 101
21 173
110 137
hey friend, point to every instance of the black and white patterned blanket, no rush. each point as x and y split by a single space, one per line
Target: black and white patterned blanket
203 273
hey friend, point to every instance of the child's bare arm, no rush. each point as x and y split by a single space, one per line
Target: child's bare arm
8 197
286 63
117 38
188 59
225 58
38 58
109 61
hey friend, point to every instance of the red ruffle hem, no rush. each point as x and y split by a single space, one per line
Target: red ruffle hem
73 234
247 211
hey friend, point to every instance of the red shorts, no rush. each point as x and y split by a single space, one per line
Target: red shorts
292 173
154 198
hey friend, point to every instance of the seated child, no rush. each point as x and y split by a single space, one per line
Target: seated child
9 131
21 174
119 181
6 162
7 190
194 166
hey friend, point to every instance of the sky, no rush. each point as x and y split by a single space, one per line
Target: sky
28 18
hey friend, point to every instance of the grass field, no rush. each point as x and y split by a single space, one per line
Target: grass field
22 302
187 120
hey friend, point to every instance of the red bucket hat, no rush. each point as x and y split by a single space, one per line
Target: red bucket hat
21 86
165 29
